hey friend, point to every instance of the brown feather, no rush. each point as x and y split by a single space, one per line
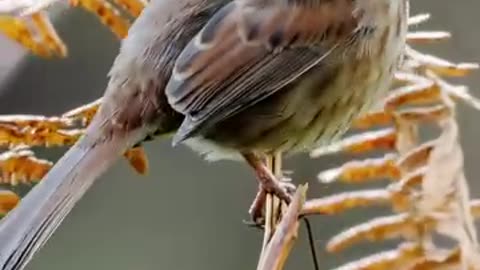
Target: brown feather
284 75
234 61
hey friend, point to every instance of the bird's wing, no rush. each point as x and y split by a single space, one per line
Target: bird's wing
250 49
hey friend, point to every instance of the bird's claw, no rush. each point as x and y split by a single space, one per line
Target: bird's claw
283 190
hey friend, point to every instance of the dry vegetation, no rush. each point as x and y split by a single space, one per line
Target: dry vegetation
428 192
25 22
20 133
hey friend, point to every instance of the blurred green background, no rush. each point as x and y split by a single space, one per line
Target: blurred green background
187 214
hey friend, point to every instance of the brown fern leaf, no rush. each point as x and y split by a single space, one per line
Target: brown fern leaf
20 132
405 256
429 192
11 136
34 31
339 203
84 113
451 260
133 7
21 166
35 122
18 30
360 171
47 35
108 14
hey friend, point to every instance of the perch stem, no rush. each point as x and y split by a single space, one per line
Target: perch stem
272 203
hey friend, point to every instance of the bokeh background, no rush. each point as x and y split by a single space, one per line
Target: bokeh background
187 214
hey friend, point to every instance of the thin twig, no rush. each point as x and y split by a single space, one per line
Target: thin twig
311 243
286 232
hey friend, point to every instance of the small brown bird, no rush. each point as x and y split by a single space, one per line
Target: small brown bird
267 76
234 79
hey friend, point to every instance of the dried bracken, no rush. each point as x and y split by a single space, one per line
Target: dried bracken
35 33
34 30
428 191
19 133
26 22
109 15
21 166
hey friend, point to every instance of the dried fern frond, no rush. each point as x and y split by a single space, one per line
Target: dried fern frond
35 130
19 133
109 15
21 166
406 256
428 191
34 31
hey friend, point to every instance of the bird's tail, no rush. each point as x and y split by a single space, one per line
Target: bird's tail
25 229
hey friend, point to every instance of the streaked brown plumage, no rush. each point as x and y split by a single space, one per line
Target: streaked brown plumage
258 77
267 76
273 76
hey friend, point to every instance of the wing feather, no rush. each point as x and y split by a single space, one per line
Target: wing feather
247 52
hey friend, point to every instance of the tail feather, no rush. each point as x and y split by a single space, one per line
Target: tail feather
24 230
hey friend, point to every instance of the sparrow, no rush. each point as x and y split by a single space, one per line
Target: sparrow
232 79
270 76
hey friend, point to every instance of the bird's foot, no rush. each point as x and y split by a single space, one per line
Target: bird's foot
282 190
268 184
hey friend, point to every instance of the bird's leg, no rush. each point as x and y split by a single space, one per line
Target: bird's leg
257 206
268 183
